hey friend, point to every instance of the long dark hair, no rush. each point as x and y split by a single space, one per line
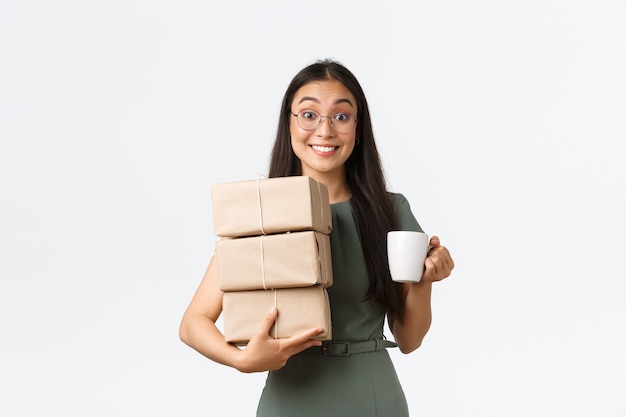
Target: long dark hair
364 175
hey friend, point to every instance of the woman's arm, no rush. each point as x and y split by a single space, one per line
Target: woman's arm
417 307
198 330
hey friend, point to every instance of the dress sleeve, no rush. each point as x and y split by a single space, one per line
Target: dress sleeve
406 219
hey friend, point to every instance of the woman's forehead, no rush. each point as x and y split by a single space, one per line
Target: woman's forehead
324 92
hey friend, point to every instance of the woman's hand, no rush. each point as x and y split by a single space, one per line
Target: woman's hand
438 263
417 318
264 353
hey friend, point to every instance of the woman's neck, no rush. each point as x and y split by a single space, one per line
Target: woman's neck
338 189
337 195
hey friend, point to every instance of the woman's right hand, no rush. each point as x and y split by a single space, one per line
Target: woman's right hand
263 352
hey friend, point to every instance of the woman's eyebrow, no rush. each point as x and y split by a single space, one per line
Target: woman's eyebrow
341 100
307 98
344 100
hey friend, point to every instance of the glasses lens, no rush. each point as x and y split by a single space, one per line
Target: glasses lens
308 119
342 122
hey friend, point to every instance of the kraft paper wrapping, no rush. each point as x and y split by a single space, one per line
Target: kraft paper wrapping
284 260
270 205
298 309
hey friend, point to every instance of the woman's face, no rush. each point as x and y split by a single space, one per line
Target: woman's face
323 151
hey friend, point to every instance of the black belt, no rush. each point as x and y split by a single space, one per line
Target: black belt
340 348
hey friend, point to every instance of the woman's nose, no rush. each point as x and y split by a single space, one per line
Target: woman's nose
325 127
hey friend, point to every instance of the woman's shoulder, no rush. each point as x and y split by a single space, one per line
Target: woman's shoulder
398 199
404 213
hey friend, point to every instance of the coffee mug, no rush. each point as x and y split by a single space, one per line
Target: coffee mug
407 251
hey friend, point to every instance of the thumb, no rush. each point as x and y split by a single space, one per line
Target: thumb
434 241
268 321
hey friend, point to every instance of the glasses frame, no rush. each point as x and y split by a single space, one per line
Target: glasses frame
319 122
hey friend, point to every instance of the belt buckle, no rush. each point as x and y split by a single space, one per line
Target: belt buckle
334 348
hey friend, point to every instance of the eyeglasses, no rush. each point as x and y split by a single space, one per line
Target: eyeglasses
310 120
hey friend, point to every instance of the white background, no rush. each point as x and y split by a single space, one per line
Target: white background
502 122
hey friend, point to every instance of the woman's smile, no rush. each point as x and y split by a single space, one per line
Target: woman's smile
324 150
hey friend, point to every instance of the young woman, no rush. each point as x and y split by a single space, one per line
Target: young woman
325 132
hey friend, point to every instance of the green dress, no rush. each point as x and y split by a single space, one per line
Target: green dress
360 385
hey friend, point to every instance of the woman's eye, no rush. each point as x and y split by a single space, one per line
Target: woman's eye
309 115
342 117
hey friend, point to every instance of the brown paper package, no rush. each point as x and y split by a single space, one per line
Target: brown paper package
298 309
270 205
284 260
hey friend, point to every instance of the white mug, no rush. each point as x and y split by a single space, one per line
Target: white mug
407 251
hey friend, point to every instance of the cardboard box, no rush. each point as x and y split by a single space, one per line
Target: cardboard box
284 260
299 309
270 205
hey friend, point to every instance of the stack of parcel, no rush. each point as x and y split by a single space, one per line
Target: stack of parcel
273 251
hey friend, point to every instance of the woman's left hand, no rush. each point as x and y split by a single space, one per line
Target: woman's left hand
439 263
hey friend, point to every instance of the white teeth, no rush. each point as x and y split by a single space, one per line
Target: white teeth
323 148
